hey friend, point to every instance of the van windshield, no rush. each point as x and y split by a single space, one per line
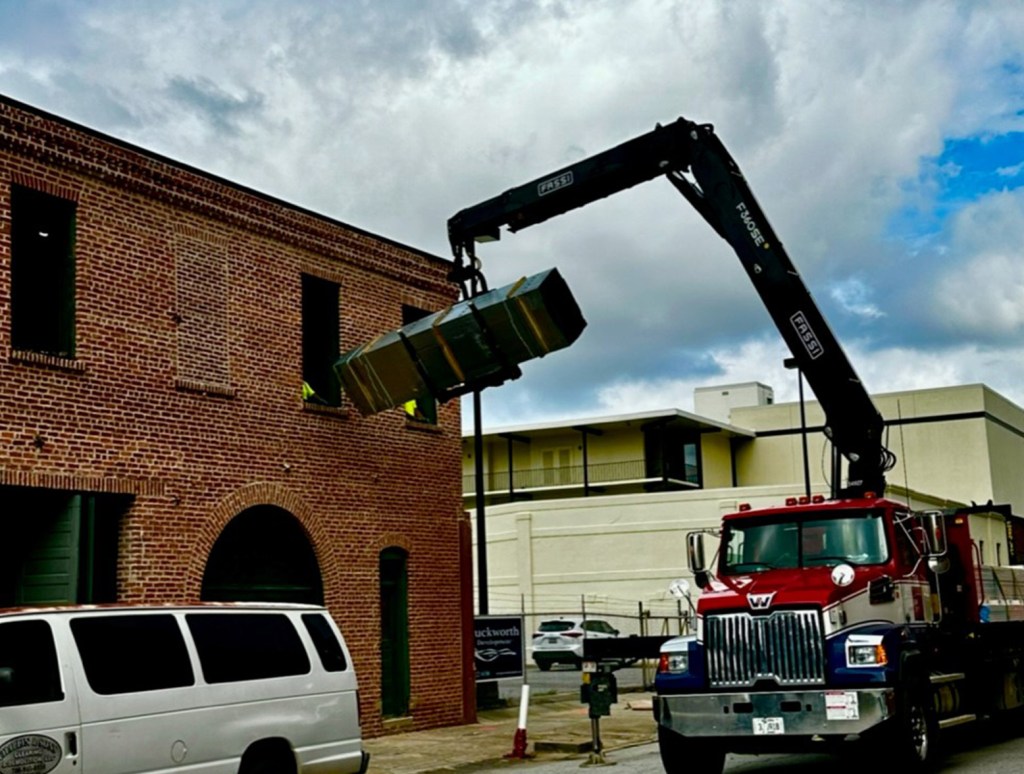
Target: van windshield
814 540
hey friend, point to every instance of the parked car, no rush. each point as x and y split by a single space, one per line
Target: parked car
560 640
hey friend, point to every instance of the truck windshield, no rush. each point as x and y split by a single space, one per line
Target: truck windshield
814 540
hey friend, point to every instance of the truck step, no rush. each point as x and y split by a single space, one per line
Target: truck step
959 720
951 677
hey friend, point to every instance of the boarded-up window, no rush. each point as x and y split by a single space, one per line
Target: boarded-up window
202 310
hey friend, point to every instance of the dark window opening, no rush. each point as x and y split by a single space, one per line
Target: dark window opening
62 546
672 454
29 673
132 653
320 341
394 640
42 272
418 409
263 555
248 646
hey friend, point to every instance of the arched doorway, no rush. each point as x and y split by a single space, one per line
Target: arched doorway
263 555
394 632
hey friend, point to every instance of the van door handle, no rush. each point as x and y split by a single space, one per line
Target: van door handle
71 741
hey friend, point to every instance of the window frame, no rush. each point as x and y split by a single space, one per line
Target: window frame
44 656
418 411
111 663
43 321
219 664
320 339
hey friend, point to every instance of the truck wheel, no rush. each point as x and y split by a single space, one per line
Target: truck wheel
914 733
544 666
687 755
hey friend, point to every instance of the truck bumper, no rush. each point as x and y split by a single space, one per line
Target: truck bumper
786 713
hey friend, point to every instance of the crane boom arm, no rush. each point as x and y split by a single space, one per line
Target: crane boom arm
695 161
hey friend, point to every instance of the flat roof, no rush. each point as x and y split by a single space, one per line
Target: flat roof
618 421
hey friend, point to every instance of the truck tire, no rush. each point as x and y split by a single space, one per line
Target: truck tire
689 755
913 732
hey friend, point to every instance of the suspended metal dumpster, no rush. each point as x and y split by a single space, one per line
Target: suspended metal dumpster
474 344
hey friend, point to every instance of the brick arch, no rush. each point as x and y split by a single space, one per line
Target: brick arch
261 493
394 539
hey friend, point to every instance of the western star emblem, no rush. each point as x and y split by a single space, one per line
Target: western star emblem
760 601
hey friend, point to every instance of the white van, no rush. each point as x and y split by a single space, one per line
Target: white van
233 688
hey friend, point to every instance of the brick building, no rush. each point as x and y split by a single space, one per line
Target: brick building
157 325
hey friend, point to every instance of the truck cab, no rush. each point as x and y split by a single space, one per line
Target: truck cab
829 621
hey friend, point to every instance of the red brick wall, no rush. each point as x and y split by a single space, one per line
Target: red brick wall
185 391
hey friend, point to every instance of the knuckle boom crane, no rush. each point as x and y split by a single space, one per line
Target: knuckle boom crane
821 620
695 161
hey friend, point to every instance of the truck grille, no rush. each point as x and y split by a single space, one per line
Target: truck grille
785 646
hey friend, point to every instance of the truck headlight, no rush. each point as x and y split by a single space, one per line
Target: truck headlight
865 650
674 663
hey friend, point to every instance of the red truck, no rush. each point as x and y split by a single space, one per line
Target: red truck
822 621
828 621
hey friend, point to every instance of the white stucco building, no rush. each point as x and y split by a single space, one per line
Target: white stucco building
594 511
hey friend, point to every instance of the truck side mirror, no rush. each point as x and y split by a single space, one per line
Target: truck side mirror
695 550
695 553
935 532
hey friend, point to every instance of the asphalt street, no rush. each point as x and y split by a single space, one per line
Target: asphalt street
983 749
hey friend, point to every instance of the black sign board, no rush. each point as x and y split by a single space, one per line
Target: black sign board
498 647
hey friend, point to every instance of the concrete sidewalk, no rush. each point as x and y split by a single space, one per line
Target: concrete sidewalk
558 726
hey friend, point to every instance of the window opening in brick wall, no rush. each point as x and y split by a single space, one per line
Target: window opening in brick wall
62 546
263 555
320 341
42 272
421 409
394 640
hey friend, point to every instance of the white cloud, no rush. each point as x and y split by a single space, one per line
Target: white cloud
981 294
853 294
1012 171
393 115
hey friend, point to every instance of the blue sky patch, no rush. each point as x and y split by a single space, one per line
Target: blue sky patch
966 170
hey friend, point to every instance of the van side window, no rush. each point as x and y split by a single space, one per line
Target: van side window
28 664
248 646
325 641
132 653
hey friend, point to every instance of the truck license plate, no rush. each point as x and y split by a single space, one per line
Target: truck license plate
768 726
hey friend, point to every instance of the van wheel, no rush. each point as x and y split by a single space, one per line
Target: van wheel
269 765
687 755
269 756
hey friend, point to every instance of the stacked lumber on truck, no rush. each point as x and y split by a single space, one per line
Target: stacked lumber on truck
1002 590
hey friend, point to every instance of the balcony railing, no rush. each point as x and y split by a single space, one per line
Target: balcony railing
597 474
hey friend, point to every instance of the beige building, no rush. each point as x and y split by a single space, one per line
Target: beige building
593 512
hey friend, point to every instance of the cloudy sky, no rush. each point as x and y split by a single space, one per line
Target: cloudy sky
885 141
